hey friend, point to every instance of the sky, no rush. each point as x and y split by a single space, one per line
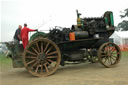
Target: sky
46 14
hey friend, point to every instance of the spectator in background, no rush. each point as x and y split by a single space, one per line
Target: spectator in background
24 35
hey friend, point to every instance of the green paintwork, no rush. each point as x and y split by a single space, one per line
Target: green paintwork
38 34
82 22
111 17
106 21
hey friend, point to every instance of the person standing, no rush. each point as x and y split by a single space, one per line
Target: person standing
24 35
17 39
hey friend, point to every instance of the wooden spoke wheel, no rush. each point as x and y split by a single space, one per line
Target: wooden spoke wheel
109 54
41 57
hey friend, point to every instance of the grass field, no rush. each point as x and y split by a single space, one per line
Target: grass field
125 54
5 60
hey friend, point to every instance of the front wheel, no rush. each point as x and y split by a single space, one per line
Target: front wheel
109 54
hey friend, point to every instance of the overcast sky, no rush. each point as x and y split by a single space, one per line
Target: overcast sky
43 14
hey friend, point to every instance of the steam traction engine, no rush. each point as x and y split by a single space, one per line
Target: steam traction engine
88 40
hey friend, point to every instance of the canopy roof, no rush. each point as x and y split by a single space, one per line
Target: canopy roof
121 34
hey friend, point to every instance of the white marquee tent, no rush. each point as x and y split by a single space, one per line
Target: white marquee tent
121 39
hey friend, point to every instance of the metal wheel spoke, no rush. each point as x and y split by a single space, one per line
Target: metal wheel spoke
110 60
46 47
35 64
46 68
47 63
52 57
109 51
54 52
37 47
35 50
113 49
113 59
108 48
48 50
31 57
32 61
105 59
114 56
37 68
41 47
30 52
51 61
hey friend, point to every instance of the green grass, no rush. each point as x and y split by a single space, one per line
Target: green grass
4 59
124 54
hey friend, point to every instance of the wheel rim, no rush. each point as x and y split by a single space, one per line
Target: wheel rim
109 54
41 57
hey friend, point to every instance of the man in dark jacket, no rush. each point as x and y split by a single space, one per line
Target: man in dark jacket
17 39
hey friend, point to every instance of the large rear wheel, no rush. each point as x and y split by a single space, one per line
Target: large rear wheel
41 57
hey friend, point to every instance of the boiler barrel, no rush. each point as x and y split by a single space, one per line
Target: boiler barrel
79 35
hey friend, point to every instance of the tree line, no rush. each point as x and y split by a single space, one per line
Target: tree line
123 26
